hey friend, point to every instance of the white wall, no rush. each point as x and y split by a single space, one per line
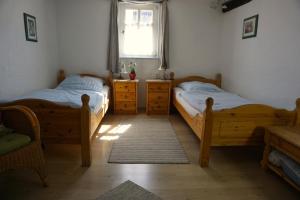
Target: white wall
265 68
24 65
194 38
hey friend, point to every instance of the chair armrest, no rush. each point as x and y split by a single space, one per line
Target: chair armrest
29 114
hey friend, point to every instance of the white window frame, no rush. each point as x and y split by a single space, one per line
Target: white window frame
121 26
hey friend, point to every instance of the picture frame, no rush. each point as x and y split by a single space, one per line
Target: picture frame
30 27
250 26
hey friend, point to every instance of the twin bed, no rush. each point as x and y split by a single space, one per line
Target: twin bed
219 118
71 113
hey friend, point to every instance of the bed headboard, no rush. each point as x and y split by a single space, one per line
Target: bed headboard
108 80
217 81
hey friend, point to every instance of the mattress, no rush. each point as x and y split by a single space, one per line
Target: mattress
70 98
194 102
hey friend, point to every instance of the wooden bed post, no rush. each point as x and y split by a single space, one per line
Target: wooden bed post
110 80
219 80
61 76
85 131
297 120
206 134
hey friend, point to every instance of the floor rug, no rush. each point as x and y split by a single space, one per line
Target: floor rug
148 141
128 191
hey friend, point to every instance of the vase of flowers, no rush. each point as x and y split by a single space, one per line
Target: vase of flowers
132 73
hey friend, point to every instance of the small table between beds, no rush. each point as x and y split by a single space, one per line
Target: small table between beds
285 140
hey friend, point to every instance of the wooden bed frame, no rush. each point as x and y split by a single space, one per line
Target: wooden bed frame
62 124
240 126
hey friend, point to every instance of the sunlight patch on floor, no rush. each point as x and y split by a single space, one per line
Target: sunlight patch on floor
109 132
109 137
120 129
104 128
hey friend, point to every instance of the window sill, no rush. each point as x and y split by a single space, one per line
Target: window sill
140 58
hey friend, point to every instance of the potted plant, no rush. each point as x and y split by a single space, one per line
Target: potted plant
132 73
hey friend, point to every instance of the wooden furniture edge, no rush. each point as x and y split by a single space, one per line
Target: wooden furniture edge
206 135
280 173
85 131
297 118
265 164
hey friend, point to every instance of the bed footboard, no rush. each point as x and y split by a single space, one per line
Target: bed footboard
241 126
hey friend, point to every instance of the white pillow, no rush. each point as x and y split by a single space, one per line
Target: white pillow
76 82
199 86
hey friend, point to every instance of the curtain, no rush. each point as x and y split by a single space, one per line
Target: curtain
164 42
113 50
113 42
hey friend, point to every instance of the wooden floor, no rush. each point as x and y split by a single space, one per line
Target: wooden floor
234 173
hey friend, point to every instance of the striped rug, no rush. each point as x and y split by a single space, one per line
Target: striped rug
148 141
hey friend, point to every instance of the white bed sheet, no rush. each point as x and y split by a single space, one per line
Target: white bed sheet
68 97
194 101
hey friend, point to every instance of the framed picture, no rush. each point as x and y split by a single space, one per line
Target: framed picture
30 28
250 27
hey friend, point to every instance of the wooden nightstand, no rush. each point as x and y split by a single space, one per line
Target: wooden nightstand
125 96
158 96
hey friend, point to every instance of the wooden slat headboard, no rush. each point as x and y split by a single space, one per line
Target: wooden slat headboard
217 81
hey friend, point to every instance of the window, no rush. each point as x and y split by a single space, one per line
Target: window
138 30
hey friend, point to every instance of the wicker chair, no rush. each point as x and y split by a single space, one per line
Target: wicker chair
24 121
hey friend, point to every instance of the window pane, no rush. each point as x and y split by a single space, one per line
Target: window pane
138 30
146 17
131 16
138 41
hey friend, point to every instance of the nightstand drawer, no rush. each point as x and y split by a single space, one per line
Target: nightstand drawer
125 106
158 103
125 96
164 97
162 108
125 87
158 87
